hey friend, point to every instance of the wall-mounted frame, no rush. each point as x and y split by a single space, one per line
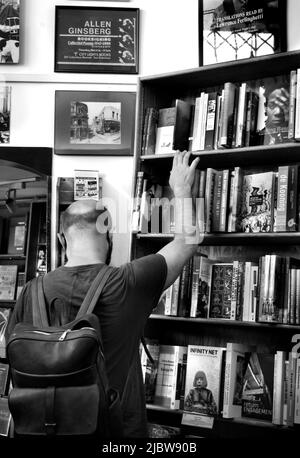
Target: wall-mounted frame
96 39
10 32
240 29
94 123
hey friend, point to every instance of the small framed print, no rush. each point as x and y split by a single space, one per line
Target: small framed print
94 123
96 39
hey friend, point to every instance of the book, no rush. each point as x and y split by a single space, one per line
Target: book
280 223
173 128
235 368
4 318
8 281
241 116
292 198
241 30
203 379
156 430
256 202
276 93
17 235
5 416
227 114
166 392
137 201
210 120
4 369
292 104
201 287
221 285
150 131
278 390
149 367
257 395
297 394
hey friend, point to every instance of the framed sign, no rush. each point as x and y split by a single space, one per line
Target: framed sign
96 40
240 29
94 123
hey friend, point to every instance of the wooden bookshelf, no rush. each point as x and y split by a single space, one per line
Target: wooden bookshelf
161 91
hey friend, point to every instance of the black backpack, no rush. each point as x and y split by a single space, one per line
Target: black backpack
59 381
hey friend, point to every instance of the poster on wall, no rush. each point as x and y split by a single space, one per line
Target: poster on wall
92 122
240 29
9 31
5 101
96 40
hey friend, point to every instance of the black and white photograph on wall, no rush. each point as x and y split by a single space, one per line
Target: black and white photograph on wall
240 29
5 103
9 31
94 122
96 40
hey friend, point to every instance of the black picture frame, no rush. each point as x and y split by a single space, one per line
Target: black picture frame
215 49
94 123
96 40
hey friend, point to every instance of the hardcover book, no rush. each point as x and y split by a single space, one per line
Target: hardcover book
201 287
169 366
4 318
173 128
256 202
203 379
257 396
149 368
242 29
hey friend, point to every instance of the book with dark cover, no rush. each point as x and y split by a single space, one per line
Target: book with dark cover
241 30
275 98
256 206
201 286
210 121
257 396
221 285
173 128
150 132
149 367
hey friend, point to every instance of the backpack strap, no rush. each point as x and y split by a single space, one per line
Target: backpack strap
94 291
39 311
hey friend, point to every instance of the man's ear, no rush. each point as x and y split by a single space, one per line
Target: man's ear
62 240
104 222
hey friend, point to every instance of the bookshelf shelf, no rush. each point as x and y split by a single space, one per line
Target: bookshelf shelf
161 91
234 238
220 322
12 257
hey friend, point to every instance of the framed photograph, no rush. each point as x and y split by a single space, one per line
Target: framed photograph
94 123
96 40
5 110
241 29
9 31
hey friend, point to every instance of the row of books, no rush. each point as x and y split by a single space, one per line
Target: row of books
259 112
266 291
232 381
226 200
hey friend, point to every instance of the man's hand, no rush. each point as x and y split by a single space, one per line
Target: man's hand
182 174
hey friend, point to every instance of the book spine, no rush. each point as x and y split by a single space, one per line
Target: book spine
292 198
240 116
196 122
291 389
218 121
150 138
227 114
297 304
292 104
240 290
278 387
246 301
195 285
203 121
263 288
237 186
210 121
297 113
282 196
145 127
253 293
217 192
137 201
297 394
209 191
175 296
293 280
234 288
224 200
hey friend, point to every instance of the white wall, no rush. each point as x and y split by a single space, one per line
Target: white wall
168 42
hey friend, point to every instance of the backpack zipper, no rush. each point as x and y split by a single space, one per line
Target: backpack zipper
63 335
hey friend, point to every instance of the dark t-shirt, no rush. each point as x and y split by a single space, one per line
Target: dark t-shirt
127 300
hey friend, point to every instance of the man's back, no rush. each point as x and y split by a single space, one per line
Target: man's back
126 302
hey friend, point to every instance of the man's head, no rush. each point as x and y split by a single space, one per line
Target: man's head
85 225
277 105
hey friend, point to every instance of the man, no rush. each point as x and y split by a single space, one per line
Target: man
130 293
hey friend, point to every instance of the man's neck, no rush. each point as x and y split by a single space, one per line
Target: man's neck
78 259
